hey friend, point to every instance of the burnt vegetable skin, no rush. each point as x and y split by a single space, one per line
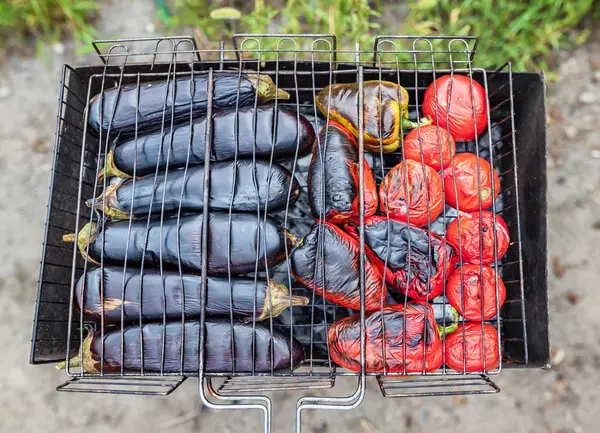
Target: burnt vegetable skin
333 177
112 292
408 270
120 109
245 249
253 346
255 135
336 277
385 108
184 190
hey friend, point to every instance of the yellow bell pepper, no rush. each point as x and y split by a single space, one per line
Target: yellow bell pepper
383 113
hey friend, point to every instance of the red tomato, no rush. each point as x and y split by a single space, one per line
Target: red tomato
430 140
451 97
456 347
463 172
468 239
393 191
474 289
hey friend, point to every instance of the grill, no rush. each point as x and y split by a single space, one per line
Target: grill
302 65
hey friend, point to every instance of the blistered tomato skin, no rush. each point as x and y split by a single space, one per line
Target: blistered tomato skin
461 188
449 103
401 350
424 204
433 141
471 346
478 287
467 240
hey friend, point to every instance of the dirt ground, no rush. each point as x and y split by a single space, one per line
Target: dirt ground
563 399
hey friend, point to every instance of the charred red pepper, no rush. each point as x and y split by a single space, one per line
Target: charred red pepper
472 232
461 188
479 286
327 261
395 349
408 270
470 346
333 177
450 103
418 202
385 108
430 142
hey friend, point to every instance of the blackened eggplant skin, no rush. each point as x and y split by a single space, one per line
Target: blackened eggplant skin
341 282
174 294
120 109
245 249
260 184
333 177
294 133
253 346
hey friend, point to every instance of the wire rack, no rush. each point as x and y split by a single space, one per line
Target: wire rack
301 65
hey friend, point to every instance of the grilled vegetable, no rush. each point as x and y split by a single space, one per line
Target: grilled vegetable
255 135
253 345
461 187
121 109
470 346
149 296
465 233
242 188
395 338
453 104
433 143
149 245
327 261
333 175
418 202
478 288
385 108
407 268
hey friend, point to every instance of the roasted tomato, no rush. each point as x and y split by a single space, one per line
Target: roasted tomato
479 287
424 204
449 102
430 141
462 172
388 349
333 175
472 344
467 240
402 254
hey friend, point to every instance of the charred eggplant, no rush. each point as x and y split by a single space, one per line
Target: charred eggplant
152 296
241 187
249 241
256 349
121 110
251 131
327 261
333 187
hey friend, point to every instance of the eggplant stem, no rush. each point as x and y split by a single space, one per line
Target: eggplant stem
266 89
110 168
108 202
83 358
277 299
86 234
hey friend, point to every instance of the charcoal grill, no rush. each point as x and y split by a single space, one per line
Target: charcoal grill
514 143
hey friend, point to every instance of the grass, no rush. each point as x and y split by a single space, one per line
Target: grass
47 21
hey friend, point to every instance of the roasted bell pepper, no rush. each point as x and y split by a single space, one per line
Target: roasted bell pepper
408 334
326 261
385 109
413 271
333 177
470 346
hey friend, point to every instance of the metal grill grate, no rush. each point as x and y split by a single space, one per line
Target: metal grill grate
301 65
